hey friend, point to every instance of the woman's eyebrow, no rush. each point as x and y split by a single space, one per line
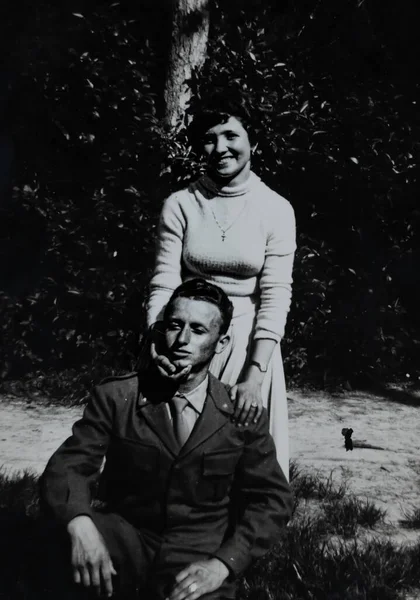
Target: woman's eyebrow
223 132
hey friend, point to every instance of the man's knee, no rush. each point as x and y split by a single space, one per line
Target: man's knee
131 552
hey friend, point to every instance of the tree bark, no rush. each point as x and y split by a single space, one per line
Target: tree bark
187 54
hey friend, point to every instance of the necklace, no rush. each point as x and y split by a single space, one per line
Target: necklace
225 229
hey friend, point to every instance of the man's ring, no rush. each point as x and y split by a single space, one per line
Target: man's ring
254 405
192 587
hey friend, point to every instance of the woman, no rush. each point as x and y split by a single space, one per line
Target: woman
232 230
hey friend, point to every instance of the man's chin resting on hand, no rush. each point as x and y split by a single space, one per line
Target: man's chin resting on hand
189 499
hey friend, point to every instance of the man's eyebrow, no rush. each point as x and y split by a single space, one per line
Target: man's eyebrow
199 325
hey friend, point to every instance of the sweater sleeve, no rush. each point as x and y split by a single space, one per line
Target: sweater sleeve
167 272
276 276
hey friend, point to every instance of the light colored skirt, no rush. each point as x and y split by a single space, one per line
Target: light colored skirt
229 364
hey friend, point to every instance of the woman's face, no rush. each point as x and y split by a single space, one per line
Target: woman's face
228 152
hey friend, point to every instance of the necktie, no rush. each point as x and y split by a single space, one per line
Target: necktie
181 426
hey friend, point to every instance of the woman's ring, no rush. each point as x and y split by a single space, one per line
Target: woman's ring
192 587
254 405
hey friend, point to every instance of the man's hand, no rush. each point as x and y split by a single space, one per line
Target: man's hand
166 368
199 578
92 565
248 402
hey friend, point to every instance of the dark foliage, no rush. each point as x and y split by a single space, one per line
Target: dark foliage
80 229
339 137
344 516
338 133
19 507
304 568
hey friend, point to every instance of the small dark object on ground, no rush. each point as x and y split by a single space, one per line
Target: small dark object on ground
348 442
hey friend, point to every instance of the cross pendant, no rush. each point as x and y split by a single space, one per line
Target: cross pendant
223 237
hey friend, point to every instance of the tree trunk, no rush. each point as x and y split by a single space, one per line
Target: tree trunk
188 53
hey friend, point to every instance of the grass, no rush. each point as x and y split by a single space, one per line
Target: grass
307 485
302 568
344 516
411 519
321 555
19 493
19 507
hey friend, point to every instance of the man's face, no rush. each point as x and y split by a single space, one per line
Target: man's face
192 333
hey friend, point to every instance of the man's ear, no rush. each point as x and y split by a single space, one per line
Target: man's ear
222 343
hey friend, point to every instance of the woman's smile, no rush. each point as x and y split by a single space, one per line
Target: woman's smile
229 152
224 162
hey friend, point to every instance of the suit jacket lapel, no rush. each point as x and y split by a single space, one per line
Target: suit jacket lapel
156 416
217 411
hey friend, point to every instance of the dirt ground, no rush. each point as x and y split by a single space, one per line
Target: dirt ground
387 473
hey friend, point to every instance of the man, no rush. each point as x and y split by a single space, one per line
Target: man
191 498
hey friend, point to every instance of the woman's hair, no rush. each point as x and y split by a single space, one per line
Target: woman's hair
199 289
216 109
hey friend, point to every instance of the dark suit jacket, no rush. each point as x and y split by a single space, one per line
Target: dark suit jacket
223 494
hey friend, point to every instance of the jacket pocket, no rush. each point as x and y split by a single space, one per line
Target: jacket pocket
126 454
218 470
131 468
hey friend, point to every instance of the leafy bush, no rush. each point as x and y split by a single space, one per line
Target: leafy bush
343 151
87 186
337 130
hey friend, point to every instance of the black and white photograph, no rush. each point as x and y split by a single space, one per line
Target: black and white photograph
209 300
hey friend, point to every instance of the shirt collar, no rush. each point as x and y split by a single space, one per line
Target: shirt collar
197 396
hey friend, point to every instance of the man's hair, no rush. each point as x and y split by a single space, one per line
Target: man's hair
218 108
199 289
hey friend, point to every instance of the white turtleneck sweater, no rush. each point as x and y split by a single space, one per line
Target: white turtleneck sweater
255 258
